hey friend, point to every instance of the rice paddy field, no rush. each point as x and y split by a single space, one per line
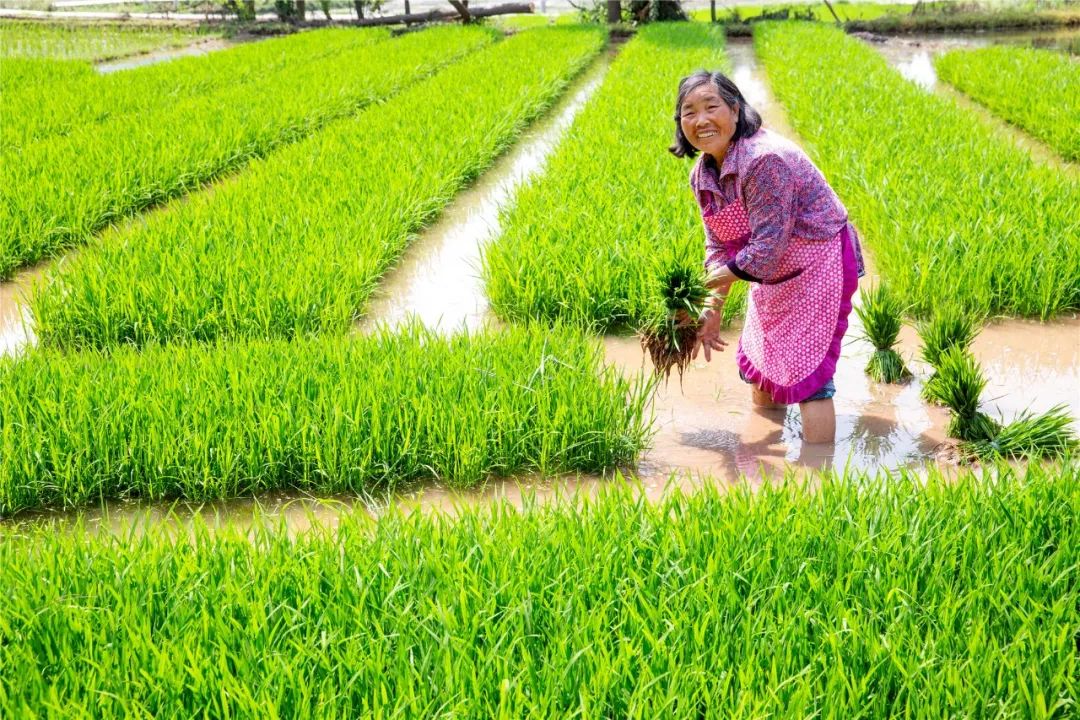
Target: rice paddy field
999 77
196 258
104 41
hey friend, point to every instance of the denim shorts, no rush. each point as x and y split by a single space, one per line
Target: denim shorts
827 390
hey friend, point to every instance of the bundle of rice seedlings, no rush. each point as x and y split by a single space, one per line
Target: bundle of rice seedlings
669 333
880 313
948 328
960 382
1030 436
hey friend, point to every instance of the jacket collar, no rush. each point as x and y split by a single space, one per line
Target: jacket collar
708 178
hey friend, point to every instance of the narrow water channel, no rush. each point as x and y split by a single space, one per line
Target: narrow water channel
437 280
130 62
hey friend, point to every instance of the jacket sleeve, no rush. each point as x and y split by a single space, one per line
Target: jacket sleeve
768 194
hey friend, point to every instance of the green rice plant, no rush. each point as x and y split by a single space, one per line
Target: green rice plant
327 415
97 41
948 327
581 240
670 332
872 598
17 74
959 386
881 314
1034 89
1030 436
63 190
42 110
804 10
249 261
934 192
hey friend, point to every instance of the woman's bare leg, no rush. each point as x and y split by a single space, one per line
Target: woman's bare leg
763 399
818 421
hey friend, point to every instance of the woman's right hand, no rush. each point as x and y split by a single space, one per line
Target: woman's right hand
708 335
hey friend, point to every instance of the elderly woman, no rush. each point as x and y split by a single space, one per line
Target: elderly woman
772 220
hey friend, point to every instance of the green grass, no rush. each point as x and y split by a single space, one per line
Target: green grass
1034 89
585 240
252 260
44 110
57 192
97 41
897 598
950 212
328 415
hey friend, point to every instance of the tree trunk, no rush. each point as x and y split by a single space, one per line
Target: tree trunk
462 6
301 10
614 13
359 5
440 15
712 9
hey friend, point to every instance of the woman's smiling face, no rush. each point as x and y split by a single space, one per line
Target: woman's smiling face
707 121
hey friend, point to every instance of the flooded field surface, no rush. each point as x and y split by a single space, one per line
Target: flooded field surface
706 428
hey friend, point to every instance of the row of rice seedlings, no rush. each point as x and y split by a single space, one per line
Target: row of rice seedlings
18 74
327 415
959 382
584 240
64 189
949 211
1034 89
805 11
99 41
881 313
949 597
949 327
39 111
297 245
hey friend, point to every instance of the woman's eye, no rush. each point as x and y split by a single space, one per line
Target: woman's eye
714 107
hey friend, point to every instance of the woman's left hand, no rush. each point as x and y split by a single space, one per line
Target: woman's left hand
708 336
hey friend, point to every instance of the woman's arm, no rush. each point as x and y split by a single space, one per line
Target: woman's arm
768 194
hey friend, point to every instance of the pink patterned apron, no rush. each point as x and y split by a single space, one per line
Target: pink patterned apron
794 325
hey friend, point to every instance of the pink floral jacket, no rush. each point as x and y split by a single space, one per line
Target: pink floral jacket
784 194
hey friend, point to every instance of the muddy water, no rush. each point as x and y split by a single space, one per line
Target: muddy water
913 57
127 63
16 322
437 280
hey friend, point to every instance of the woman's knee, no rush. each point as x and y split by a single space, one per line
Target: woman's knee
763 399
